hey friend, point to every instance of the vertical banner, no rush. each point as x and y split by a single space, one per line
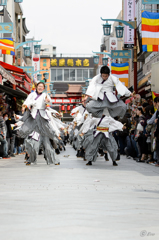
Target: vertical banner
36 64
129 15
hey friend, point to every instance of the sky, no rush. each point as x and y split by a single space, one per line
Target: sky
73 26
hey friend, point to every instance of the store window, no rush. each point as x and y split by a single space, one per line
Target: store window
44 63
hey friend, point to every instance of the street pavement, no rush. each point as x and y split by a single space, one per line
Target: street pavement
78 202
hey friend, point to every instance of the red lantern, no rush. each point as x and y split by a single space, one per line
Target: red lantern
62 108
68 108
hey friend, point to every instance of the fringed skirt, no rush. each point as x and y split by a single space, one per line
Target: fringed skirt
96 107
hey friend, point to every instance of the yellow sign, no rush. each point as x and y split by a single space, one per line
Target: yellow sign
78 63
54 62
62 62
70 63
86 63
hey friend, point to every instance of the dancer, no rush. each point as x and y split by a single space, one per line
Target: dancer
100 97
102 136
37 120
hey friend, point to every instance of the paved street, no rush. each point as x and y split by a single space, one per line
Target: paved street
74 201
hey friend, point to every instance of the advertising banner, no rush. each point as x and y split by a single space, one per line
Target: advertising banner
129 15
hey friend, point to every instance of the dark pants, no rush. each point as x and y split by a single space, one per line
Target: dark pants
5 147
157 150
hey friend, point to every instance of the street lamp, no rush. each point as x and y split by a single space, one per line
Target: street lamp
106 28
46 75
3 2
96 59
27 51
37 49
87 83
39 76
18 1
105 61
119 32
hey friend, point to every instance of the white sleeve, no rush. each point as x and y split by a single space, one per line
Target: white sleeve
121 89
94 88
29 101
115 125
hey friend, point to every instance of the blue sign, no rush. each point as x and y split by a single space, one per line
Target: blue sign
29 69
150 1
6 27
120 54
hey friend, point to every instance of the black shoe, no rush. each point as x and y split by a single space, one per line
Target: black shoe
89 163
57 163
139 160
118 157
64 148
57 151
115 164
12 155
106 157
78 154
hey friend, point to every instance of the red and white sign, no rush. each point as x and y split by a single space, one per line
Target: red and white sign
36 64
68 100
129 15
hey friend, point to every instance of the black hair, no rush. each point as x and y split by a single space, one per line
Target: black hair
40 83
145 104
149 110
5 114
140 109
156 99
105 70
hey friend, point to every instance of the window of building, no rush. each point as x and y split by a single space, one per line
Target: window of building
85 73
91 73
79 75
72 74
59 75
53 74
66 75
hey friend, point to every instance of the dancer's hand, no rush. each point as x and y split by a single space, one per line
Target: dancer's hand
47 99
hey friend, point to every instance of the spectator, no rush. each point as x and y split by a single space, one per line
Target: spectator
3 137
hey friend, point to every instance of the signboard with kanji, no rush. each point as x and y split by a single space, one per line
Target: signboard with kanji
120 54
72 62
150 1
6 27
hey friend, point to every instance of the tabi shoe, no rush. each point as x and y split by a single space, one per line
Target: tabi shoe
114 163
57 151
78 154
64 148
28 163
82 153
57 163
89 163
118 157
106 157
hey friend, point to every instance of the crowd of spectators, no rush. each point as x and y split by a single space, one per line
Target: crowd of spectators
140 139
10 143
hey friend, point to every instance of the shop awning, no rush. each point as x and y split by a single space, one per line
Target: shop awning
7 75
12 92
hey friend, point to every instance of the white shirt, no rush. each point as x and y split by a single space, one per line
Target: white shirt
98 87
38 103
107 122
